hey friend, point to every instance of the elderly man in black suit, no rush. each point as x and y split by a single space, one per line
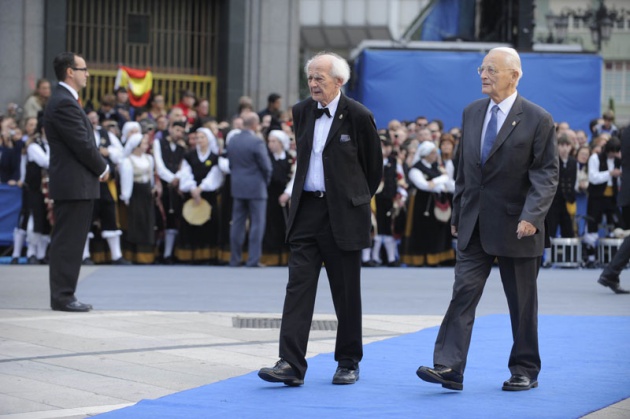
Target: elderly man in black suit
339 167
508 175
76 166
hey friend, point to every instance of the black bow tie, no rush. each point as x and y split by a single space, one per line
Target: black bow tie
320 111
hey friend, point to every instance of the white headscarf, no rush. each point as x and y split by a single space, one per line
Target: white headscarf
424 149
213 144
282 137
132 142
127 127
231 134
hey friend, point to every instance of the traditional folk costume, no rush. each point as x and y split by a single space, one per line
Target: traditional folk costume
136 184
427 239
198 243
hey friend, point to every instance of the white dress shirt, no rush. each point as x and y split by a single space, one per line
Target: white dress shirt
504 109
315 176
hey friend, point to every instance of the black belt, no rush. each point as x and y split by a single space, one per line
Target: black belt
314 194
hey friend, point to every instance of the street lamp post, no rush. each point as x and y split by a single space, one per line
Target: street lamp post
600 22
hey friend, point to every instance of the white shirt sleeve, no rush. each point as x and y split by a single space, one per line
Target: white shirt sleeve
186 178
115 149
594 175
36 154
23 159
213 180
224 165
417 178
126 180
164 174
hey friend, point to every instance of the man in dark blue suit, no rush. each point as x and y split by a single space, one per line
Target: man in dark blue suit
76 166
506 180
251 171
339 168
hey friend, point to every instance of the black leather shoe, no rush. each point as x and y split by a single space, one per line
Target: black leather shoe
32 260
519 382
73 306
87 261
612 285
282 372
345 376
121 261
442 375
14 261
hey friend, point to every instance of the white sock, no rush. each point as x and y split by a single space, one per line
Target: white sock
365 255
33 239
390 248
19 236
376 250
114 247
169 242
42 246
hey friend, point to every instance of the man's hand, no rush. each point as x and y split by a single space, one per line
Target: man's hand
283 199
453 231
524 229
615 172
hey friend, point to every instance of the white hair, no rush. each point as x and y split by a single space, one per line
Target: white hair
339 68
512 59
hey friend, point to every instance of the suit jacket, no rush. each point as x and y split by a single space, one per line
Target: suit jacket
250 166
623 198
75 161
353 168
517 182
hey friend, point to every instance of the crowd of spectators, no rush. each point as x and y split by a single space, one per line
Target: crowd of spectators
165 157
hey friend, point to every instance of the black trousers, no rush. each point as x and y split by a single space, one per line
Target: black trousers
518 276
72 223
311 244
619 262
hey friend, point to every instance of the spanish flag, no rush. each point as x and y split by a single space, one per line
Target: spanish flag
138 83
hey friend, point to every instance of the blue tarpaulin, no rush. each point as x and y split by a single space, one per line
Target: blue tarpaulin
10 205
404 84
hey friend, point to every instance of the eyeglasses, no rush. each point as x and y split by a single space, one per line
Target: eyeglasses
491 70
79 69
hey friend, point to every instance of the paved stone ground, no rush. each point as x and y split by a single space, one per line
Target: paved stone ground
162 329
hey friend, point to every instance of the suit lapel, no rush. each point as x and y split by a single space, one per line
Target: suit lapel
511 121
338 118
310 125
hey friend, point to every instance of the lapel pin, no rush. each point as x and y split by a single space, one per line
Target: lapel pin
341 116
513 123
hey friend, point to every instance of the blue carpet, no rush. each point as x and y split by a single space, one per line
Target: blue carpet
586 367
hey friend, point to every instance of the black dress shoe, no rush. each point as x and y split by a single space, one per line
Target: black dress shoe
346 376
73 306
442 375
121 261
14 261
519 382
87 261
612 285
282 372
32 260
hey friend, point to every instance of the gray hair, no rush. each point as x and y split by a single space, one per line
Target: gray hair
512 59
339 69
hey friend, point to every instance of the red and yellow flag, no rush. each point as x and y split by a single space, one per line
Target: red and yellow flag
138 83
